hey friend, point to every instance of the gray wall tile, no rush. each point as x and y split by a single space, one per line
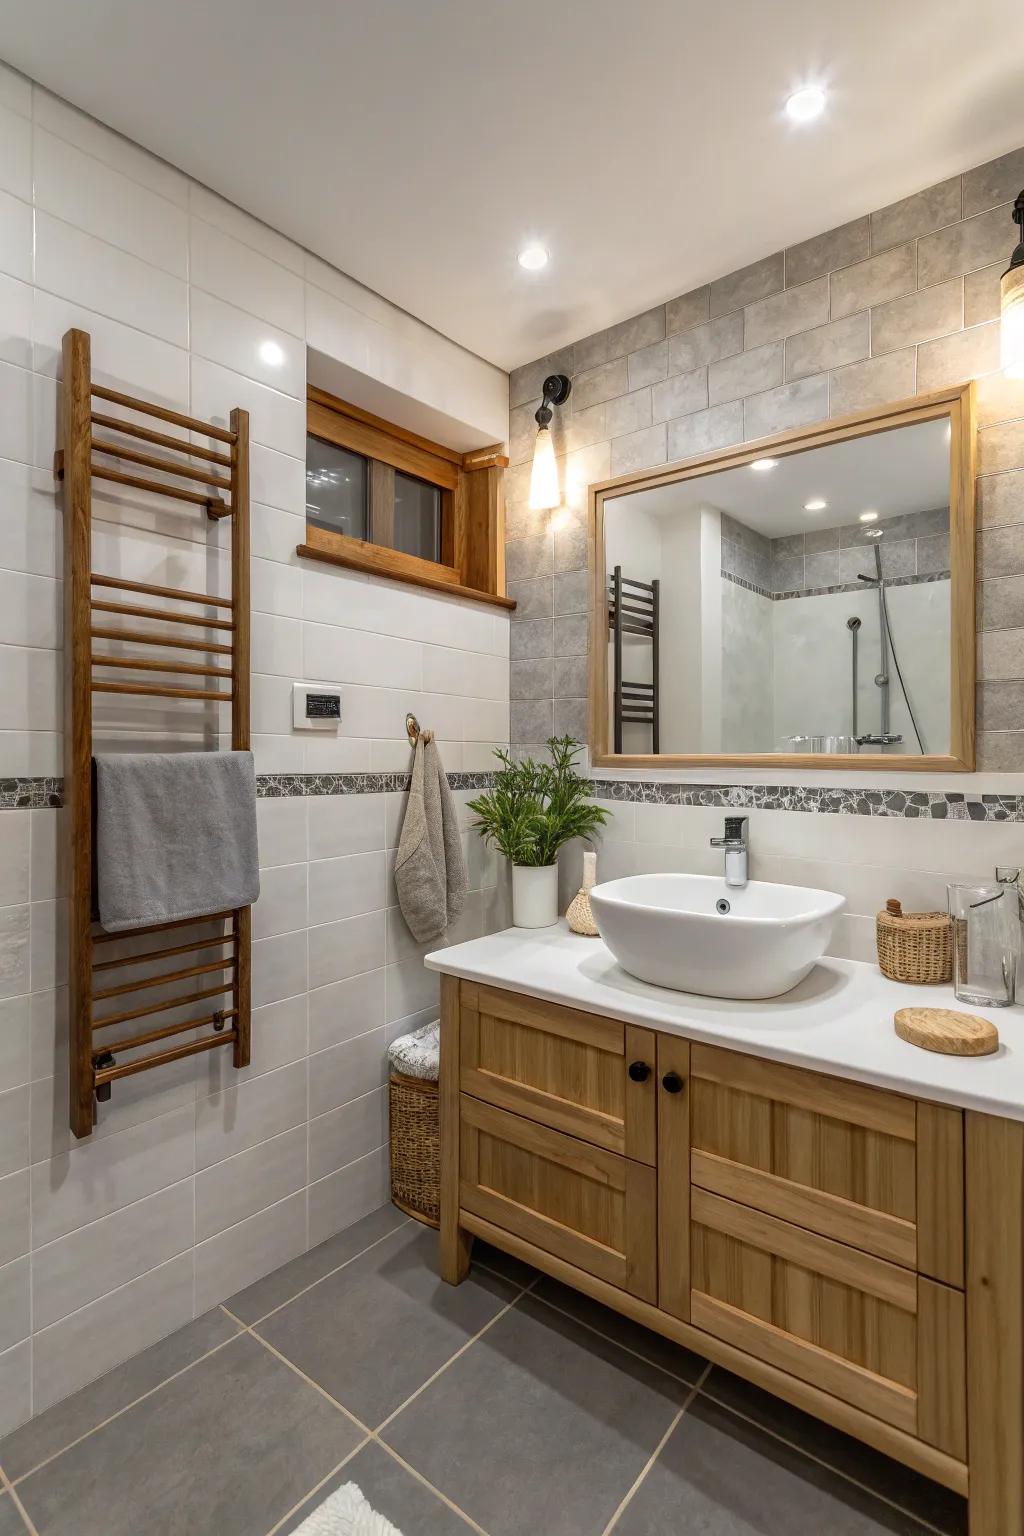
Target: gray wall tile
748 284
746 374
1000 655
571 635
1001 551
705 431
791 405
688 309
874 382
344 1135
997 182
1001 499
532 598
796 309
571 543
960 248
583 428
874 281
825 253
229 1122
918 317
531 679
648 365
706 343
1000 751
680 395
636 332
1001 705
955 359
571 718
1001 603
598 384
532 720
822 569
933 554
526 559
639 450
240 1186
981 293
828 346
570 677
530 639
346 1196
526 383
571 595
629 413
1001 447
916 215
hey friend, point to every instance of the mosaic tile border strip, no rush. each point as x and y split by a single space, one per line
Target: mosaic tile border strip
848 586
936 805
48 794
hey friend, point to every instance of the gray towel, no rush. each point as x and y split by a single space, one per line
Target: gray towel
175 836
430 872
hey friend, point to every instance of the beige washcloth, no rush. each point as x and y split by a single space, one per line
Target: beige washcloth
430 871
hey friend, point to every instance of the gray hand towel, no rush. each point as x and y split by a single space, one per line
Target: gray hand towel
175 836
430 871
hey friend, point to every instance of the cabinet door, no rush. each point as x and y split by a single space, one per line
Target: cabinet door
588 1076
876 1335
592 1208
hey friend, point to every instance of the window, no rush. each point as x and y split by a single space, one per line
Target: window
382 499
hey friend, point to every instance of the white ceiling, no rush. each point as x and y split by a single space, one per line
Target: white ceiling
903 470
418 144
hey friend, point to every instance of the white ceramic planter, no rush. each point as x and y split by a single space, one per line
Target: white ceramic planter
534 895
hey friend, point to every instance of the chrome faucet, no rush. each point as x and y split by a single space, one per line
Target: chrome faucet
734 844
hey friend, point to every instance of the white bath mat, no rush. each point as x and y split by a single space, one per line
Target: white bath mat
346 1513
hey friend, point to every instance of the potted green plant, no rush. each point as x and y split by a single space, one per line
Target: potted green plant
532 811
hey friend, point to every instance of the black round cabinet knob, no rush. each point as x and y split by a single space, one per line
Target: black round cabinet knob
639 1071
672 1082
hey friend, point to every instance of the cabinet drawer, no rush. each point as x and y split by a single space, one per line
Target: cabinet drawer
869 1332
593 1208
566 1069
868 1168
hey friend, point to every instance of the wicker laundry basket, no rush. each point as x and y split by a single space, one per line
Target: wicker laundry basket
415 1135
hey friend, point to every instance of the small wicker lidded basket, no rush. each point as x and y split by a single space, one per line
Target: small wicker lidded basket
914 946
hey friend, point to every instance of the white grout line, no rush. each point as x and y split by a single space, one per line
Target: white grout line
654 1455
365 1428
19 1506
449 1503
320 1278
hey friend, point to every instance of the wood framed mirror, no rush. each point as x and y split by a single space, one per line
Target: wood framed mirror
806 600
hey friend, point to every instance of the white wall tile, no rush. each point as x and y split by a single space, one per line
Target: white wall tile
277 480
76 1270
15 1386
16 417
468 673
240 1186
275 535
29 520
15 831
247 346
14 1122
15 322
341 824
31 610
15 1042
277 645
250 1249
352 656
90 272
230 1122
282 906
95 138
337 950
84 191
276 588
344 1009
229 270
346 887
101 1176
347 1071
15 90
343 1135
15 153
89 1342
14 1216
276 420
206 205
343 1197
15 951
278 968
123 357
15 1303
15 237
281 829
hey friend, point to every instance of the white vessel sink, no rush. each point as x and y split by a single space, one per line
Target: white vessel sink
668 929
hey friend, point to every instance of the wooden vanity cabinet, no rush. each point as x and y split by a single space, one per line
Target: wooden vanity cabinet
857 1252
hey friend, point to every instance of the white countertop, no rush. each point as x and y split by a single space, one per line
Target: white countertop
839 1020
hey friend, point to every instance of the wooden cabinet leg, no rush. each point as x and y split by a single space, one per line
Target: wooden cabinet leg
995 1325
456 1245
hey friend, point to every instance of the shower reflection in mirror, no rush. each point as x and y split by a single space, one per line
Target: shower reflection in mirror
803 603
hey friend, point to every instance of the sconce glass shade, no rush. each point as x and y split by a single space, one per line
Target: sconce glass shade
1012 334
544 491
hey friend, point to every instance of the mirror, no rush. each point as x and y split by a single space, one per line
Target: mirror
811 598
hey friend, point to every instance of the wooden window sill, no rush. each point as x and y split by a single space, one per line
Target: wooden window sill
374 562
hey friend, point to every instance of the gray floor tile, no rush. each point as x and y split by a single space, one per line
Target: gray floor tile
671 1357
11 1523
719 1474
503 1263
928 1500
26 1447
375 1331
225 1450
284 1283
540 1426
393 1492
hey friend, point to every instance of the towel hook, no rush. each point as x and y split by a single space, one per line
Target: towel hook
412 729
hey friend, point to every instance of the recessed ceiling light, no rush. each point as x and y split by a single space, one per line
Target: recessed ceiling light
271 353
869 517
806 104
533 257
816 504
763 464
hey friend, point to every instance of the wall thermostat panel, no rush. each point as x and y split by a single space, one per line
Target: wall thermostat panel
315 707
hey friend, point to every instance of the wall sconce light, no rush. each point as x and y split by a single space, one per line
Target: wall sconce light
1012 302
544 491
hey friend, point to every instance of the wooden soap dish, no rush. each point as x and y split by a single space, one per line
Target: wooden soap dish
948 1031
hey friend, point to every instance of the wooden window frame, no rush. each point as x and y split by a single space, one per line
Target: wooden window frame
472 560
